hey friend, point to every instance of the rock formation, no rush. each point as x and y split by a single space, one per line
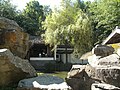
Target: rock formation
80 77
108 75
13 68
103 70
13 38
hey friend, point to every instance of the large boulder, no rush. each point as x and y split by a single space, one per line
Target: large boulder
13 68
102 50
80 77
43 82
109 75
13 38
107 69
111 60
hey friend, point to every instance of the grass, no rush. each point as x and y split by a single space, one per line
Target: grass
62 74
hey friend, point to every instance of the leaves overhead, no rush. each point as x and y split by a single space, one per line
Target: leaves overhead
7 9
69 23
105 16
34 16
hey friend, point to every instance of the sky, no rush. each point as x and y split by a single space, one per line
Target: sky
22 3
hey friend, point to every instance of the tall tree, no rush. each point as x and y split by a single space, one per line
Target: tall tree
34 16
7 9
69 23
47 10
105 16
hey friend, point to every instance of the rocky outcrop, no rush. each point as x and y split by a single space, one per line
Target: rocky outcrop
13 68
111 60
109 75
13 38
103 69
80 77
107 68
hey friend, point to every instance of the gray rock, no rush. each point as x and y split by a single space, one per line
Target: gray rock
103 86
104 67
111 60
61 86
76 71
42 80
109 75
13 38
102 50
13 68
7 23
80 77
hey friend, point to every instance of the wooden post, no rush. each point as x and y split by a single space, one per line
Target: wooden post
55 52
66 51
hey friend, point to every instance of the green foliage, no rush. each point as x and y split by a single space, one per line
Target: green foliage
61 74
70 23
30 19
7 9
33 14
105 16
47 10
26 23
34 10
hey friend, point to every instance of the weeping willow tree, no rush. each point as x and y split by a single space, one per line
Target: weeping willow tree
71 23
